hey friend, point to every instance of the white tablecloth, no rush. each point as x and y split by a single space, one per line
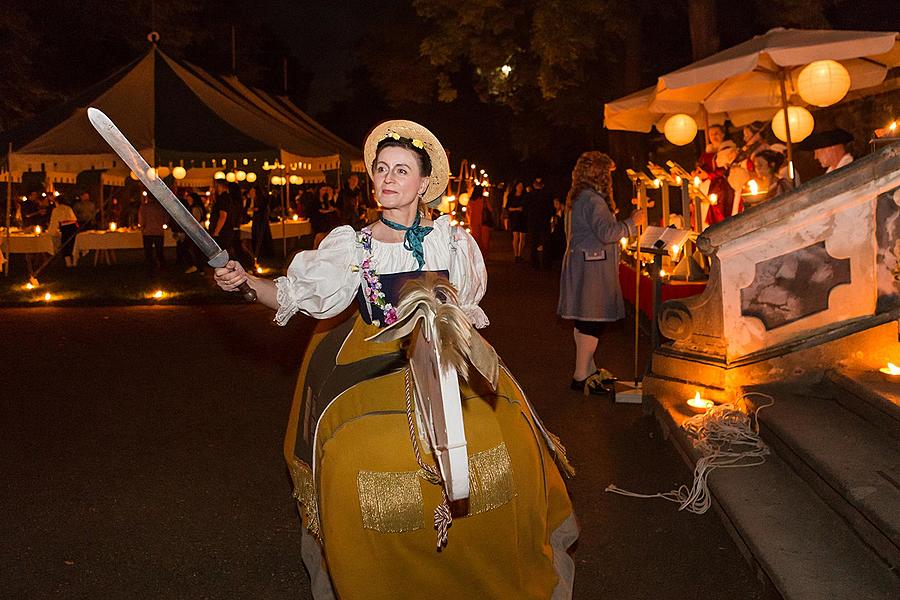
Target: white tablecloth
292 229
28 243
121 239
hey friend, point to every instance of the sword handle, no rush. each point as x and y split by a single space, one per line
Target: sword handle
247 292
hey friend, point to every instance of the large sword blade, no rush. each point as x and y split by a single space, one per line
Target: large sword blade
120 144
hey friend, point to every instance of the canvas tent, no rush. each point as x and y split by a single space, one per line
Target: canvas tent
176 114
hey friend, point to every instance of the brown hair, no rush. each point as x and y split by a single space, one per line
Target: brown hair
593 171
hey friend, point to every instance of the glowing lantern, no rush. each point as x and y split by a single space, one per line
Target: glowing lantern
151 174
294 179
219 175
48 297
251 177
240 175
230 177
133 176
823 83
179 172
37 229
463 199
112 226
162 171
158 295
680 129
295 217
801 120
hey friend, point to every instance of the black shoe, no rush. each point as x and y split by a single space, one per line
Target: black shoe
596 385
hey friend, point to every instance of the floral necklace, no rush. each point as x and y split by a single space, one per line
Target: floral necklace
372 291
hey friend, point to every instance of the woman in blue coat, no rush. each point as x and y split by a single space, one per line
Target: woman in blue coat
589 292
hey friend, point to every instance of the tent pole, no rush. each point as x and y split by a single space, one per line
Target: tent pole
787 127
102 220
8 204
287 189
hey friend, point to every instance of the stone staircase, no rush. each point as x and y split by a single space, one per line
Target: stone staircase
821 517
803 304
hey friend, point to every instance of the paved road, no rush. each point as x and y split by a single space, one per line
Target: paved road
141 453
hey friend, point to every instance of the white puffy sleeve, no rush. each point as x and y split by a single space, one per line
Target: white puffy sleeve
320 283
468 274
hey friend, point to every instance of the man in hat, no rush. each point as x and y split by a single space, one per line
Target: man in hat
830 148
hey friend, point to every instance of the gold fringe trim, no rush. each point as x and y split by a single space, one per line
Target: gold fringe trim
305 495
390 501
559 454
491 480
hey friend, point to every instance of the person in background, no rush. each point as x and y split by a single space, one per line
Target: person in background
538 210
830 148
260 232
753 142
724 204
515 207
589 291
85 209
481 218
194 204
767 164
153 221
64 222
224 218
706 164
351 203
36 210
556 244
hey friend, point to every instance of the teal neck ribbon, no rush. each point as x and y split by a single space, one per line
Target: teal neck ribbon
415 236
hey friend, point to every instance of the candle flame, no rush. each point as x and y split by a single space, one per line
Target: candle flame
48 297
713 198
892 369
698 402
37 229
296 217
158 294
678 179
697 181
112 226
893 125
754 187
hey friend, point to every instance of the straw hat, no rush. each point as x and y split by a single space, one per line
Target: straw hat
440 166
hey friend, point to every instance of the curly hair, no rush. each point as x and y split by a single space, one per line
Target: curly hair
593 171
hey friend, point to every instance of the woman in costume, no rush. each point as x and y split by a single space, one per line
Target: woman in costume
589 291
363 472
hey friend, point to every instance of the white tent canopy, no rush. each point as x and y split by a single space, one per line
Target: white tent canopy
743 83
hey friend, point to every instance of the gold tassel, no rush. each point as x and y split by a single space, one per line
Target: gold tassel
559 453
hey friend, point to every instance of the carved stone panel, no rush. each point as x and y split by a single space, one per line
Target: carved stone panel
792 286
887 232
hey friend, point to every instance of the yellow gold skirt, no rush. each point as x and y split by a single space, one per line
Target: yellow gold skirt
369 509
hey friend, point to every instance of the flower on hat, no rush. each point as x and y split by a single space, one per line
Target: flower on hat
394 135
418 144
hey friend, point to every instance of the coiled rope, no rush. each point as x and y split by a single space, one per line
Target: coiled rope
726 437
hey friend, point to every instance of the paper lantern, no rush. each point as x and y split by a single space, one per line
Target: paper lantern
801 120
163 172
240 175
680 129
219 175
464 199
823 83
276 180
251 177
133 175
294 179
179 172
230 177
151 174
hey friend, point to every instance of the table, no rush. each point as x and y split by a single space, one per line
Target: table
120 239
21 242
292 229
671 290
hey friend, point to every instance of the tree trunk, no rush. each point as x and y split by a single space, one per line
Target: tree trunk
704 28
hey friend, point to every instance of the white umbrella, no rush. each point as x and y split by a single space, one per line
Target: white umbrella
753 80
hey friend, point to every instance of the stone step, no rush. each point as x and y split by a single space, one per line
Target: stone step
850 463
805 549
870 396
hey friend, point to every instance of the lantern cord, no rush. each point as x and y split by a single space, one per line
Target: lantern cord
726 437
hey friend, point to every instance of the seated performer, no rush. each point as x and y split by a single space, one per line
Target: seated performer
363 471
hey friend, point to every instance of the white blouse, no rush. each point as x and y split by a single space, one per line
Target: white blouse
322 283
